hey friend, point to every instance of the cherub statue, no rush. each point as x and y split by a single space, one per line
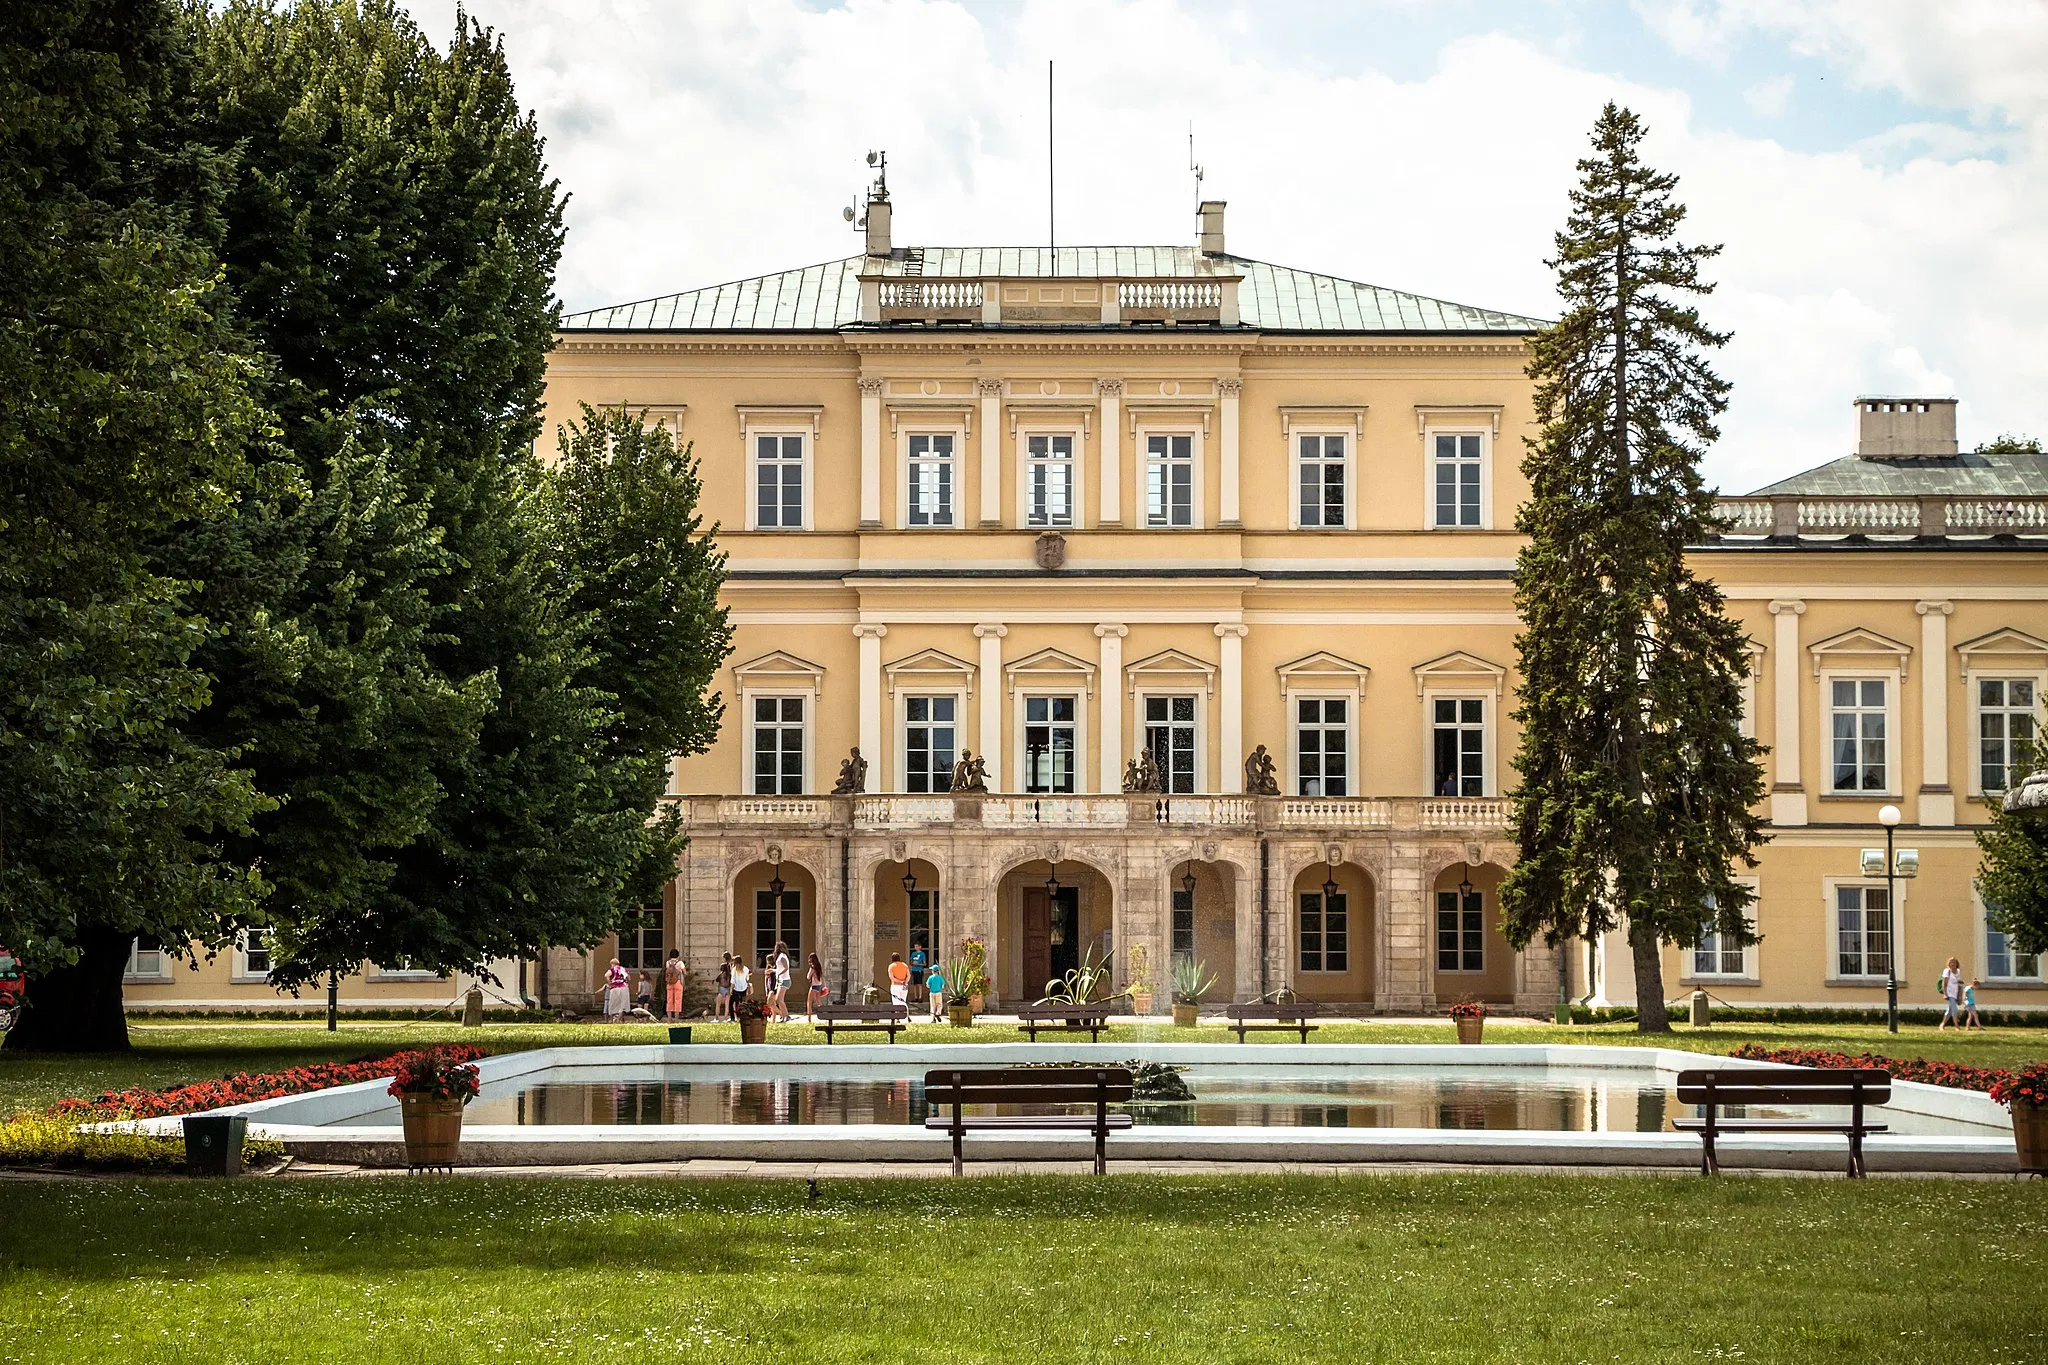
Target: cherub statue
970 774
1259 777
1131 778
853 775
1141 774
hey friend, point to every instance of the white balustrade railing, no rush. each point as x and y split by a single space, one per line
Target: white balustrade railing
1173 296
1992 515
773 810
1751 516
873 811
1091 812
1337 812
1205 810
933 294
1466 812
1933 514
1885 516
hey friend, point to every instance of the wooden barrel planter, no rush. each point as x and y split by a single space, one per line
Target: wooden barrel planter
433 1129
753 1030
1184 1015
961 1016
2030 1136
1469 1030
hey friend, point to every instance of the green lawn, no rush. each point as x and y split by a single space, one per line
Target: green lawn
169 1054
1135 1268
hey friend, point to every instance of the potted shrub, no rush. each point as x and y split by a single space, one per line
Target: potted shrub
959 993
973 967
1141 983
752 1012
1192 979
2025 1093
1470 1017
432 1086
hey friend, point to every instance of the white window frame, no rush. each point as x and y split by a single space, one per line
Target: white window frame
1831 943
958 696
1141 451
1020 757
238 966
1024 436
809 466
1348 435
1490 736
1436 947
1894 749
748 696
958 462
1138 699
133 971
2040 976
1322 938
1429 464
1749 975
1972 677
1351 698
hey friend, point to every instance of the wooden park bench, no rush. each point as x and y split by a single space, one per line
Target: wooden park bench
1781 1085
1271 1019
1048 1016
1099 1086
889 1019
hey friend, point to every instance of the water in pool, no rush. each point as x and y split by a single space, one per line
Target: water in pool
1555 1099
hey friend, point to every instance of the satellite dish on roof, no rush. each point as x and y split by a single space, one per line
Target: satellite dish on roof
847 213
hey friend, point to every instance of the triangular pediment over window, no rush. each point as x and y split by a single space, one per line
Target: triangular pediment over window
1459 669
2005 648
1170 667
775 668
1053 667
1860 648
1322 669
930 668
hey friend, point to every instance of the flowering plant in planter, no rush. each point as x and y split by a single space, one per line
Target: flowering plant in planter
1468 1009
436 1073
243 1087
745 1007
2028 1086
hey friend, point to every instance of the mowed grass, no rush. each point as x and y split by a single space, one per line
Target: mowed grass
1132 1268
176 1053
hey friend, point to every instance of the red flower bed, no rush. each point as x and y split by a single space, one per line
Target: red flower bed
243 1088
1952 1074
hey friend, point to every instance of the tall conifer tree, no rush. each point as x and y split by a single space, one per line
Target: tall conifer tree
2012 873
1638 789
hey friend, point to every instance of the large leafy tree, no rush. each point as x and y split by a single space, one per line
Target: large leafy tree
1638 790
2012 875
125 408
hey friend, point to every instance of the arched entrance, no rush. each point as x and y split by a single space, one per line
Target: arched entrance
1467 955
1050 919
909 918
1202 924
763 914
1332 930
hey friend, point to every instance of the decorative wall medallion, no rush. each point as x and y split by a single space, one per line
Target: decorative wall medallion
929 387
1050 550
1049 387
1170 387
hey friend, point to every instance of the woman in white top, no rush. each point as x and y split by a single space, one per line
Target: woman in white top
782 975
1951 995
742 977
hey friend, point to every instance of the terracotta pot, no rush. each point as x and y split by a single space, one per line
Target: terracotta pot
974 1002
1141 1002
1184 1015
2030 1135
753 1030
433 1129
960 1016
1470 1029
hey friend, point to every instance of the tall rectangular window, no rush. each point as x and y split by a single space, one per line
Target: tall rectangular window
778 746
928 735
1183 925
1321 470
779 919
1717 954
255 946
1325 933
1170 735
147 963
1863 931
931 480
1169 480
1049 744
1322 746
1049 481
923 907
1856 714
1458 466
2003 962
1460 931
2005 724
640 945
1458 746
779 482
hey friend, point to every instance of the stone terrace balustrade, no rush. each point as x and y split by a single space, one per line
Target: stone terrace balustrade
1131 813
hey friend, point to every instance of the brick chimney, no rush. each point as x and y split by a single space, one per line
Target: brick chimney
1210 234
1900 428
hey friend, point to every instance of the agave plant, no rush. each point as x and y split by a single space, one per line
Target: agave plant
1080 985
1192 979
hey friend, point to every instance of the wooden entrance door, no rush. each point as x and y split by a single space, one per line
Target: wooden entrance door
1037 938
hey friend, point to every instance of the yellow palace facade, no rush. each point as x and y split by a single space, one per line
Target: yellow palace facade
1166 597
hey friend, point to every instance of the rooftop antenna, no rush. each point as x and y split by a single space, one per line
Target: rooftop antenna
1192 165
879 190
1051 237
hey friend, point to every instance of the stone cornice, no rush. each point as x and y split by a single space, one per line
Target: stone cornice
1148 342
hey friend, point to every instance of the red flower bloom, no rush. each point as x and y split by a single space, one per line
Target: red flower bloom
242 1088
1952 1074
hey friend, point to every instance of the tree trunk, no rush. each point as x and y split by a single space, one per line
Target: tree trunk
1649 960
78 1008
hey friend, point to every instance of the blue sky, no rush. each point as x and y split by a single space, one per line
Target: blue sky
1877 169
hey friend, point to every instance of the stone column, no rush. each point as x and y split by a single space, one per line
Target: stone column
990 391
1112 708
989 743
1226 461
1788 793
1110 512
1937 797
871 454
870 733
1409 983
1230 710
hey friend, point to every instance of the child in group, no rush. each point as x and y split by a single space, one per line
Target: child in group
1970 1019
899 981
919 960
742 978
935 986
643 994
782 977
721 999
814 992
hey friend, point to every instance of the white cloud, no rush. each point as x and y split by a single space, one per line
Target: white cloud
721 138
1769 99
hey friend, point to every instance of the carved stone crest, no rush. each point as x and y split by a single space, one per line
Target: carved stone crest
1050 550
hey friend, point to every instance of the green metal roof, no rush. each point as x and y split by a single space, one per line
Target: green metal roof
823 298
1973 474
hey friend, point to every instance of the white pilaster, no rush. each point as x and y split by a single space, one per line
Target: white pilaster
1226 463
1230 709
870 734
1937 797
1110 512
1112 637
1788 793
989 744
990 392
870 454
